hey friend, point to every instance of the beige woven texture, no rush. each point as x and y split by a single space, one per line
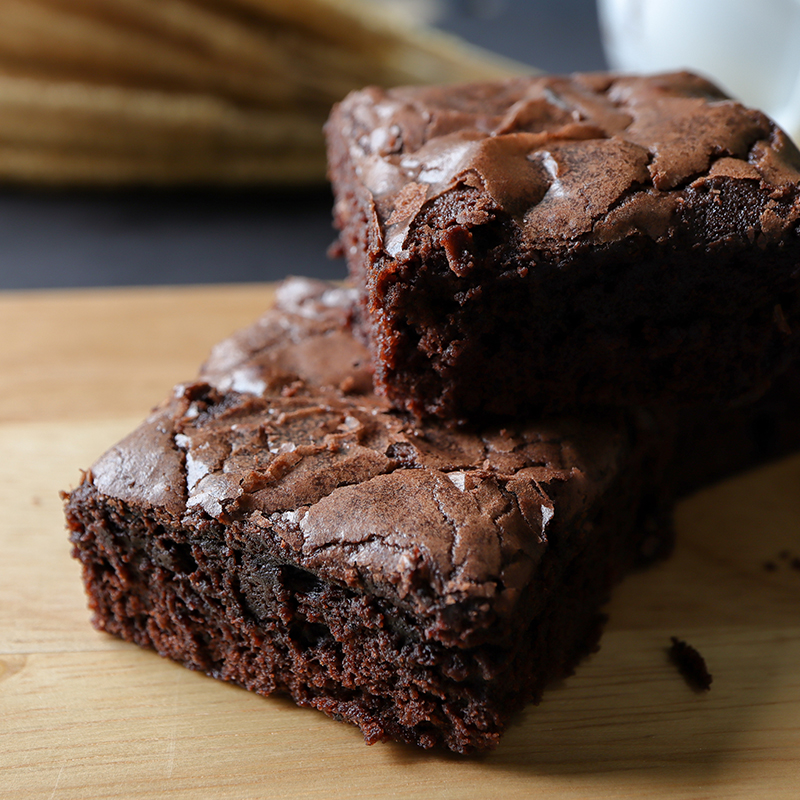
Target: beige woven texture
109 92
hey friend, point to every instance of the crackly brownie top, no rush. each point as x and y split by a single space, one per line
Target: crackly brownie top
592 156
283 437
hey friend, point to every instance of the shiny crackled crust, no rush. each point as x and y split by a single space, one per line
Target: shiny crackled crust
581 160
540 218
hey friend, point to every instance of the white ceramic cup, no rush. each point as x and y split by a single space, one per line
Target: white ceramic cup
751 48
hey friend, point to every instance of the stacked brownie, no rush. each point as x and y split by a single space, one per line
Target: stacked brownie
554 280
560 242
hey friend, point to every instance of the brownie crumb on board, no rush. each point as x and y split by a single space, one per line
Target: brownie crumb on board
786 556
690 664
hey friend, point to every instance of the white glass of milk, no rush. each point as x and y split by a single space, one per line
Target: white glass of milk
751 48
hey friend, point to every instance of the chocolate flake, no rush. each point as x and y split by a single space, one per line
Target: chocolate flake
690 664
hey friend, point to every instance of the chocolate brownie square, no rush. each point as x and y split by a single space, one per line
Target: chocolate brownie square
560 242
277 525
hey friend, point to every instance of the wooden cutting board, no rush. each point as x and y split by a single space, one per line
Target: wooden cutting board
85 716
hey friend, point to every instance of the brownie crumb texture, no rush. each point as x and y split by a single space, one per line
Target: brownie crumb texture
690 664
784 558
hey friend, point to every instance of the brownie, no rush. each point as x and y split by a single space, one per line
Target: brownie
276 524
711 445
547 243
690 664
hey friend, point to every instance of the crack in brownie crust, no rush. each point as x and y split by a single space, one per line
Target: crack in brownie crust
587 240
278 525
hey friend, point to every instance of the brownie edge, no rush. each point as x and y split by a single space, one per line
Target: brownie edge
276 524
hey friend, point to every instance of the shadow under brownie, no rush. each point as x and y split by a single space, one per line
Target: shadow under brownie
277 525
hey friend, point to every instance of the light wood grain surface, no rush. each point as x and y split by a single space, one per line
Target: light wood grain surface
85 716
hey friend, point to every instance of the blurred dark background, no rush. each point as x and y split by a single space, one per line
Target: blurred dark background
71 239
